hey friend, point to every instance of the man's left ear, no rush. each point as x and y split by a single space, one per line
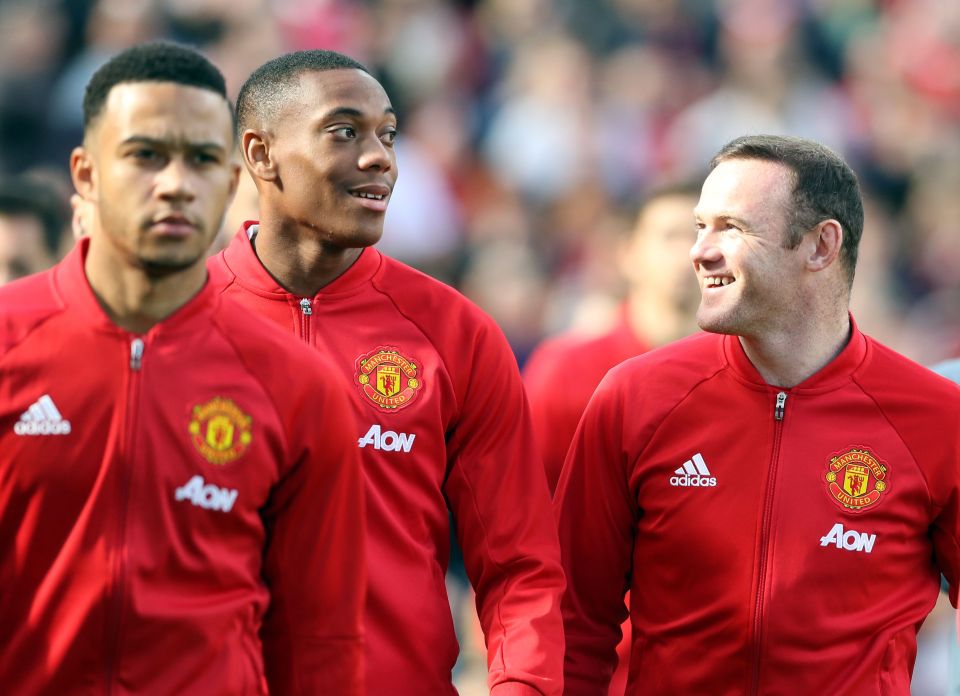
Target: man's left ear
827 238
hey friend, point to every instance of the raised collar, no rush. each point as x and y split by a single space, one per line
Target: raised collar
78 296
242 260
830 376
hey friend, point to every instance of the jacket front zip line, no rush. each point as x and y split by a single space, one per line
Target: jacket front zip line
126 464
779 410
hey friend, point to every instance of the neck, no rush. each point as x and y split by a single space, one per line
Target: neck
134 300
787 357
301 263
656 320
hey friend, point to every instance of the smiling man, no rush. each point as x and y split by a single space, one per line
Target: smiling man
439 414
780 494
181 508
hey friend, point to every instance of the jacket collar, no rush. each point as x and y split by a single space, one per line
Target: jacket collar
830 376
242 260
72 283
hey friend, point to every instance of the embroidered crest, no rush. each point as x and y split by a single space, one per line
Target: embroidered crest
389 379
221 430
856 479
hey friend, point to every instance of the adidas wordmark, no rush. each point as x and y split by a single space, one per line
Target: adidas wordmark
42 418
694 472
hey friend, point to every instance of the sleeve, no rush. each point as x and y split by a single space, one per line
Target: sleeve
596 518
552 413
500 504
315 560
945 530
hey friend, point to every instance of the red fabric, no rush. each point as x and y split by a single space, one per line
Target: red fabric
470 448
560 377
738 587
110 583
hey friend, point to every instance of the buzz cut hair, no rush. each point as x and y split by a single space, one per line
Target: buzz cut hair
159 61
271 84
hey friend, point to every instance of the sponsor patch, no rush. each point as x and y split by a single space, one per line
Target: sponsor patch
856 479
220 430
391 381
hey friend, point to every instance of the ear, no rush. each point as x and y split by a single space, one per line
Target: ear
255 146
827 240
82 173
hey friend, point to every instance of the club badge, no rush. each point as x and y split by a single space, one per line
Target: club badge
388 379
220 430
856 479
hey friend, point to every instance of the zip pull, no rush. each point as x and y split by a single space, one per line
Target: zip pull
781 406
305 307
136 353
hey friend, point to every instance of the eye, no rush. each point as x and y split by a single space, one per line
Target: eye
145 154
346 132
206 158
389 136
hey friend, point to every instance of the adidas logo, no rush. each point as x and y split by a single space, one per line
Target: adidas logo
42 418
694 472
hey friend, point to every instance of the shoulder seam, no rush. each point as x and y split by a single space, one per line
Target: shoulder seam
913 456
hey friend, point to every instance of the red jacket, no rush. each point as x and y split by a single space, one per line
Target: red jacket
158 492
560 377
441 422
775 541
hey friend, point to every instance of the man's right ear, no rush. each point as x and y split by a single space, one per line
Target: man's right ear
256 154
81 172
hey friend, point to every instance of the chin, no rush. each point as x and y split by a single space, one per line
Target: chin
716 322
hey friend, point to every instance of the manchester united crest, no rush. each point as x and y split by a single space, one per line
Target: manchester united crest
390 380
220 430
856 479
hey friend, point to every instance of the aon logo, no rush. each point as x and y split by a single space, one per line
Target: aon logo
388 441
849 540
207 496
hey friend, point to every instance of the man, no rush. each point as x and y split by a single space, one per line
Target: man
440 416
31 222
779 495
562 372
169 465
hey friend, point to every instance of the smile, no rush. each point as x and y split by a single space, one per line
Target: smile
371 196
717 281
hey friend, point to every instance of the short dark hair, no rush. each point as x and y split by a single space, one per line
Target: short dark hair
27 197
160 61
824 187
269 85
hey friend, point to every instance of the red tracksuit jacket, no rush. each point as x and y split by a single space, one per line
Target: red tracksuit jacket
441 422
774 541
157 492
560 377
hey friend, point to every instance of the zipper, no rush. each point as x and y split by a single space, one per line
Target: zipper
779 411
125 462
306 311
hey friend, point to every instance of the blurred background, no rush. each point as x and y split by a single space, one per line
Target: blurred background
530 130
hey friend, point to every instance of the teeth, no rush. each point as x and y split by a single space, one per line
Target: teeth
371 196
716 281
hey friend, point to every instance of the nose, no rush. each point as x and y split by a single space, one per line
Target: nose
376 154
175 181
705 250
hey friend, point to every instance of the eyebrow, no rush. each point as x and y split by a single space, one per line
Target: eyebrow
351 111
164 142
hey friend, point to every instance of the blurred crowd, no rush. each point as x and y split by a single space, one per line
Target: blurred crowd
530 130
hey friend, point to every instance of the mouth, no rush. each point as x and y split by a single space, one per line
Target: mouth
712 282
372 196
173 225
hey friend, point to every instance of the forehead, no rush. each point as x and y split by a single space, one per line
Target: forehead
320 92
166 111
749 188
